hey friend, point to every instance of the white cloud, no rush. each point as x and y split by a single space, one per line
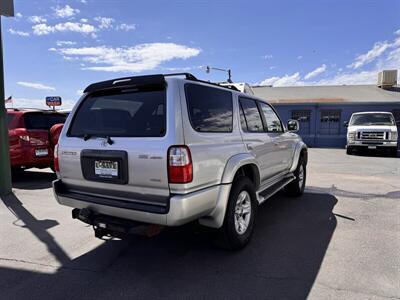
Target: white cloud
267 56
105 22
315 72
377 50
142 57
64 43
79 92
66 11
83 20
37 19
386 59
286 80
44 29
272 67
17 32
299 57
84 1
18 15
126 27
36 85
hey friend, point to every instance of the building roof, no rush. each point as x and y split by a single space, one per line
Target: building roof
327 94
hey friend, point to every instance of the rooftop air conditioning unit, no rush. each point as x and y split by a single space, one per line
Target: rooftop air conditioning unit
387 78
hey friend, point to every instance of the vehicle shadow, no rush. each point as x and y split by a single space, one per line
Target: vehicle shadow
32 180
281 262
376 153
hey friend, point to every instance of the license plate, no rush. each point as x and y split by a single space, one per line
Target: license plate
106 168
371 147
41 152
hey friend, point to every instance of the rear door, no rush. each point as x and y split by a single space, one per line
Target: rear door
116 145
255 138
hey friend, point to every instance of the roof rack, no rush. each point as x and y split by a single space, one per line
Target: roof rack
134 81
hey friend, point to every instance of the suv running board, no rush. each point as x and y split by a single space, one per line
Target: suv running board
273 189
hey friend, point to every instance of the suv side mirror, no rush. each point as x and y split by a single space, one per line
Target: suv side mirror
346 123
293 125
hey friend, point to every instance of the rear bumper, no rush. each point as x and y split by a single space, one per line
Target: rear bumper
181 209
25 157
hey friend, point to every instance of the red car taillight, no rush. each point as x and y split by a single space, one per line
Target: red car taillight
180 168
56 165
22 134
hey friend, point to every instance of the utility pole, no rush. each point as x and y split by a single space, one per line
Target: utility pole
6 9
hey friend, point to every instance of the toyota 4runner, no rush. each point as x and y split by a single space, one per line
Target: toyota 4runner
167 150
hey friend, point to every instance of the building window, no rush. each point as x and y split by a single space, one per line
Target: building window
330 121
304 117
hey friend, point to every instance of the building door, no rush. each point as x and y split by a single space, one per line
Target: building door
330 122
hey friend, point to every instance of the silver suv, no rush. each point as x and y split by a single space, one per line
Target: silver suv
171 149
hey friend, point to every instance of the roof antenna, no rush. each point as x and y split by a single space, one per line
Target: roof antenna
208 70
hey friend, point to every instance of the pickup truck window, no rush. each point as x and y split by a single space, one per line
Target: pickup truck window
372 119
252 116
210 109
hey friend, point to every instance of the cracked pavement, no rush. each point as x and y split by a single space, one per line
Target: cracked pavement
341 240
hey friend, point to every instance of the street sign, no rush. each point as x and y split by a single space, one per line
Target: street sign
7 8
53 101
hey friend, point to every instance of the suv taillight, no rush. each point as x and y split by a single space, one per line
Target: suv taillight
56 165
180 168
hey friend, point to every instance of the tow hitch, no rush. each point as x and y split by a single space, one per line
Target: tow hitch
114 227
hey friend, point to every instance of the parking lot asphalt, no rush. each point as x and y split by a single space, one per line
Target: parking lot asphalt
341 239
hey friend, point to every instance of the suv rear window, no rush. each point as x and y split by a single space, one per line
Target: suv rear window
210 109
45 121
121 114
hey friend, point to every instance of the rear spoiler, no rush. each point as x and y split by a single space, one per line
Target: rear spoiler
126 82
137 81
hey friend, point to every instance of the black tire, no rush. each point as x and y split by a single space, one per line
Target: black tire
296 187
349 150
393 152
229 236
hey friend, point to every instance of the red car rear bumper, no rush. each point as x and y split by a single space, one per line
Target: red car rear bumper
25 156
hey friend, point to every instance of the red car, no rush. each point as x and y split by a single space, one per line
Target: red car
31 144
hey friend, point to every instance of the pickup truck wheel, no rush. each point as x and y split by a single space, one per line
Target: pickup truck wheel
296 187
240 214
349 150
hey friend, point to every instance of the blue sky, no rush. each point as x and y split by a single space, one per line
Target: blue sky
54 47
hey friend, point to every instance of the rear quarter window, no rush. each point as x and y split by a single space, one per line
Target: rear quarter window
9 120
210 109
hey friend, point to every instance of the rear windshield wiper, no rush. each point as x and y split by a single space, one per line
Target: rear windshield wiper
107 137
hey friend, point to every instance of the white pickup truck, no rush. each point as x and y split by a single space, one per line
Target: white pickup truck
371 130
